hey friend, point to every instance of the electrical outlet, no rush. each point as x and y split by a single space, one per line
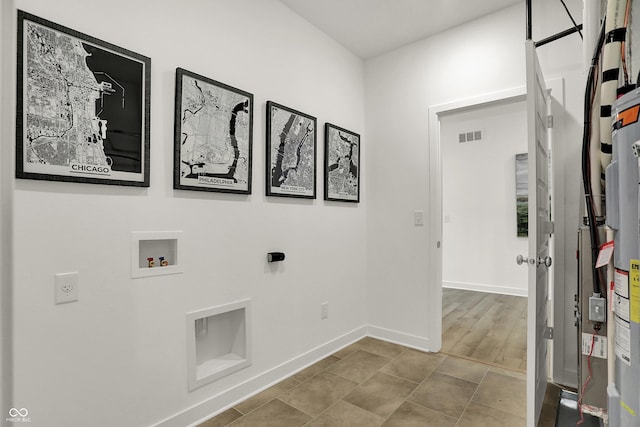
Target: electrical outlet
597 308
324 310
66 287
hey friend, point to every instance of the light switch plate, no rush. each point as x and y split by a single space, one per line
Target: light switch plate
418 218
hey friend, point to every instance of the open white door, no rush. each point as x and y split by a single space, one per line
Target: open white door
540 228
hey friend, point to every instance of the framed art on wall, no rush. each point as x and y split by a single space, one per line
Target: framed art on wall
290 153
213 137
82 107
522 194
341 164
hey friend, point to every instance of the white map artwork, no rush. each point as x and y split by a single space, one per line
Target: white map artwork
343 149
292 156
78 119
215 136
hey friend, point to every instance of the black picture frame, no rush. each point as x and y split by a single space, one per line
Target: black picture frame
83 107
291 164
213 135
341 164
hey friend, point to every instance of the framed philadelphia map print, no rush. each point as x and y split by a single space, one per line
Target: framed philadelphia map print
213 137
341 164
291 152
83 107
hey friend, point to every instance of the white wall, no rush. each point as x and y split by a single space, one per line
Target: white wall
6 203
400 87
479 199
118 356
478 58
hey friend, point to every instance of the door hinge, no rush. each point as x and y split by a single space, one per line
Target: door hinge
548 227
548 332
550 121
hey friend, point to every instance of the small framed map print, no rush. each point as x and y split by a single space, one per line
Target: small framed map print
83 107
291 152
213 135
341 164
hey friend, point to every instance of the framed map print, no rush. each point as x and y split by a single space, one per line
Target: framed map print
291 152
83 107
213 135
341 164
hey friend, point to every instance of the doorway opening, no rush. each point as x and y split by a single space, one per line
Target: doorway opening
484 189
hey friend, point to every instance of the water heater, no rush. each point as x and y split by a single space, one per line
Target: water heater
622 181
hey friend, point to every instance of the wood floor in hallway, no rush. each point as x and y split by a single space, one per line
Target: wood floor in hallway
491 328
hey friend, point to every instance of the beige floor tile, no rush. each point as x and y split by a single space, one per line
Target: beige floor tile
222 419
348 350
359 366
411 415
273 414
503 392
317 394
478 415
381 394
511 372
379 347
444 393
265 396
344 414
413 365
372 383
316 368
464 369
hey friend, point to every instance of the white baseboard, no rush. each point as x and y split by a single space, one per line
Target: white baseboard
227 399
504 290
407 340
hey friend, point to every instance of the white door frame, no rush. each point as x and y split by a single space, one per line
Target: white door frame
435 185
435 200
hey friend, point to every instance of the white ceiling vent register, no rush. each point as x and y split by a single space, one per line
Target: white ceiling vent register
471 136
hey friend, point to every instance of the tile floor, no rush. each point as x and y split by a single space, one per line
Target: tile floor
376 383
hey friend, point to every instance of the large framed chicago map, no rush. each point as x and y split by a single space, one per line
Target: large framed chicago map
83 107
291 152
341 164
213 135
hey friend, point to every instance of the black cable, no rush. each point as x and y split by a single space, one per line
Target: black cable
571 17
586 163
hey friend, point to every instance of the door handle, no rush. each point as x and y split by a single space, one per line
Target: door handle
546 261
520 259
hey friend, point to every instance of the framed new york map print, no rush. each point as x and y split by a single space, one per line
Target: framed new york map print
83 107
213 135
291 152
341 164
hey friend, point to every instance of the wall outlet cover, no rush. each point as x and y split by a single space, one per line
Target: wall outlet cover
66 287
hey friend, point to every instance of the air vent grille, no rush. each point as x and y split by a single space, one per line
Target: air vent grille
470 136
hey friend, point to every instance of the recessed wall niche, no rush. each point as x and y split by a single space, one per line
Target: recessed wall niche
218 342
155 253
